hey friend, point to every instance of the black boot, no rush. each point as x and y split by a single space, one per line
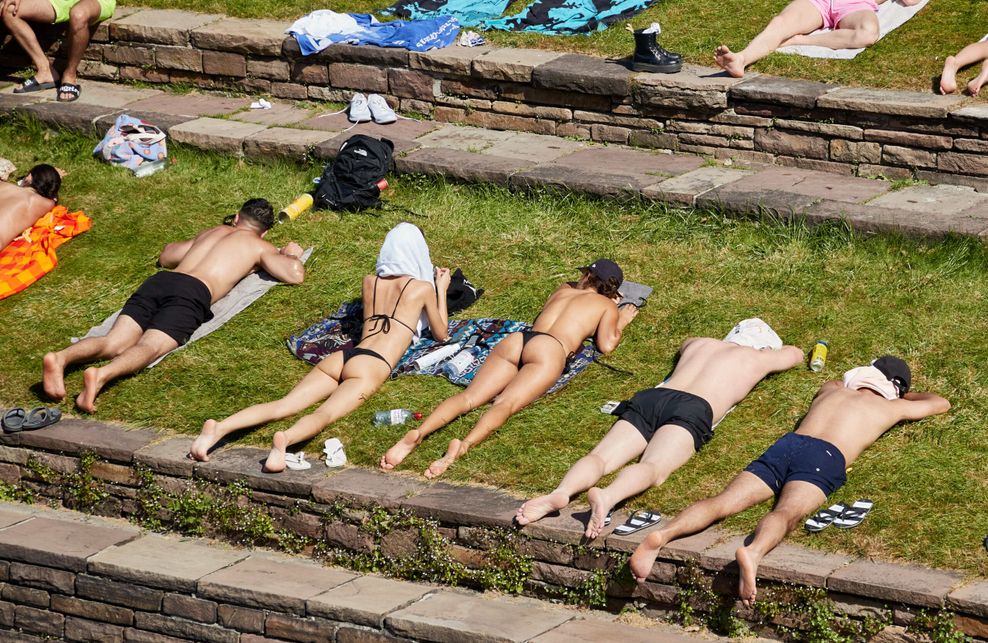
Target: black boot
651 56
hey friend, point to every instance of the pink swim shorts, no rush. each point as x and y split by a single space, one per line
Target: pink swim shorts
833 11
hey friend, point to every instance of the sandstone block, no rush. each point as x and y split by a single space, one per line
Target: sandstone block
456 61
46 578
289 90
242 619
39 621
79 629
837 130
407 83
270 69
310 74
895 155
362 77
26 596
304 629
781 91
190 607
220 63
584 74
126 594
215 134
889 102
185 58
855 152
779 142
123 55
511 64
959 163
184 629
161 26
493 120
92 610
259 37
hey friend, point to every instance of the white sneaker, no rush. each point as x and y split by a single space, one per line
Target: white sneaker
358 111
379 108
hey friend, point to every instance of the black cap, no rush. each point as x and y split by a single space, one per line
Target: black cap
605 269
897 372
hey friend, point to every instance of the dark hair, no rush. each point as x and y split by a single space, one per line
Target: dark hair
46 181
259 213
607 288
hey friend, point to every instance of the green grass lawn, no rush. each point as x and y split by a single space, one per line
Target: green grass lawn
867 294
911 57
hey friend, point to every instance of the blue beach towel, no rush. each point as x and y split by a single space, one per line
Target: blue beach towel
320 29
470 13
565 17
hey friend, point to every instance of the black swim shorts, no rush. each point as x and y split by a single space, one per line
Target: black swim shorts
171 302
655 407
800 457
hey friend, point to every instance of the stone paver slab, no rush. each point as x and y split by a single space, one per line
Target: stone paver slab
586 629
780 91
280 114
466 139
776 203
694 88
692 547
511 64
75 436
10 517
448 60
888 101
285 142
165 122
9 101
646 166
230 465
168 456
793 564
820 185
566 526
584 74
870 218
59 543
465 166
161 26
331 122
78 117
721 555
194 105
536 148
693 77
971 113
365 600
215 134
452 616
273 582
900 583
383 57
367 487
111 95
465 505
971 598
166 563
262 37
941 199
574 179
685 188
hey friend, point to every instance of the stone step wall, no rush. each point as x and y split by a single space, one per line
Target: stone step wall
868 132
369 520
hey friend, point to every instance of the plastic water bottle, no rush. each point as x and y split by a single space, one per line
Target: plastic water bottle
394 417
818 358
150 167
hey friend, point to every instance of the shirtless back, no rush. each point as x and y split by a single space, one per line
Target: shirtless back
572 314
22 206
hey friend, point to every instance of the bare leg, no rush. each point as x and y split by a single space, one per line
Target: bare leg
966 56
152 345
855 31
978 81
82 17
799 17
361 377
531 383
39 11
490 380
622 443
669 449
124 334
797 499
316 386
746 490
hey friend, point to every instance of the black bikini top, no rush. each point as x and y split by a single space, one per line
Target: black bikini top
382 322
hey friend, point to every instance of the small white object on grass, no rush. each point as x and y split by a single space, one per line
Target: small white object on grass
6 169
335 456
261 103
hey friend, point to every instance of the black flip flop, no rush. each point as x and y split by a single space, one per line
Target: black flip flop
854 515
638 521
68 88
13 420
32 85
41 417
824 518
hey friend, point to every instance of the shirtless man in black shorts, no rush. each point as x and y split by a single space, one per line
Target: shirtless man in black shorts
524 365
23 204
170 305
805 466
666 425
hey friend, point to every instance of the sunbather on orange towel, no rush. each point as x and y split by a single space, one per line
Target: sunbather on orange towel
27 201
32 255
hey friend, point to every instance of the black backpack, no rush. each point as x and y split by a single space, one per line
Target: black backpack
351 181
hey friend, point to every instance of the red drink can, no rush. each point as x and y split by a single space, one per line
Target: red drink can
382 185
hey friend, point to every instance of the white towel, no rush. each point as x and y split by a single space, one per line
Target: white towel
870 378
247 291
754 333
891 15
405 252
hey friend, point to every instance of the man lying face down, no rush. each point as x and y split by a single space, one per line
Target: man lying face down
666 425
21 205
803 467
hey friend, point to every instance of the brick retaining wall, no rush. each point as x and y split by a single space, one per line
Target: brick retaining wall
868 132
348 516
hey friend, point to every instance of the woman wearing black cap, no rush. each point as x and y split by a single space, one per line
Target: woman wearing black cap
524 365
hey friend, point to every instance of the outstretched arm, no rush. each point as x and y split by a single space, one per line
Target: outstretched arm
435 306
783 359
173 253
916 406
612 325
285 264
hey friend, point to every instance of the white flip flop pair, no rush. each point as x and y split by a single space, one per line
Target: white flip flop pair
332 449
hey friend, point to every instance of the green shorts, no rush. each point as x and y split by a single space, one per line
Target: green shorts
63 7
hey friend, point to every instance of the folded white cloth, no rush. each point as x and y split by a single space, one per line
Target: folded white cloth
335 456
891 16
870 378
754 333
405 252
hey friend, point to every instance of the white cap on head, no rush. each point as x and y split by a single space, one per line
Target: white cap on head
754 333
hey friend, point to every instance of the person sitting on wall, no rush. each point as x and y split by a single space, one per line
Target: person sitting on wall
82 17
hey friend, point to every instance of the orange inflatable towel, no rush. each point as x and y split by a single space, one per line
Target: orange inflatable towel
31 256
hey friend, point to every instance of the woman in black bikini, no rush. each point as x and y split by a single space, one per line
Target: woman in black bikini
346 379
524 365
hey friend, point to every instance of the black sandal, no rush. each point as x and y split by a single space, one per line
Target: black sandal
32 85
69 88
13 420
41 417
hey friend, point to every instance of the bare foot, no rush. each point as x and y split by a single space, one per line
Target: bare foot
400 450
90 389
599 506
977 83
746 585
537 508
54 376
644 557
948 79
276 459
439 467
207 440
729 61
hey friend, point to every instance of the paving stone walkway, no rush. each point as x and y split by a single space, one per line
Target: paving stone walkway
524 160
83 578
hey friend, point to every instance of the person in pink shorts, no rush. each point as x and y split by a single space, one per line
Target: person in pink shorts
853 24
